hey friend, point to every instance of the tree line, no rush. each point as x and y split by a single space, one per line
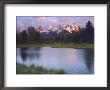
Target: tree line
85 35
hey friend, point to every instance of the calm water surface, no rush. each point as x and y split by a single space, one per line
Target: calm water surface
74 61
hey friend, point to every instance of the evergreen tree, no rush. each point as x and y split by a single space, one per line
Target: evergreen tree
89 32
23 37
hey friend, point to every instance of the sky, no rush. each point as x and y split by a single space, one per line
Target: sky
23 22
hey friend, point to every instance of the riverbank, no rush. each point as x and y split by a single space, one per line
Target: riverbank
22 69
57 45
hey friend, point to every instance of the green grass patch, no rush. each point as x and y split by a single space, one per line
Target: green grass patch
23 69
57 45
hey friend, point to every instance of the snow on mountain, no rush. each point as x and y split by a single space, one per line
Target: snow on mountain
59 28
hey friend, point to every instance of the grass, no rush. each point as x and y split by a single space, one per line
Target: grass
22 69
58 45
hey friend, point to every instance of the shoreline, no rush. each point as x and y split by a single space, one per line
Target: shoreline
57 45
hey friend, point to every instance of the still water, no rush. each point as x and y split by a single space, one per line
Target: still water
73 61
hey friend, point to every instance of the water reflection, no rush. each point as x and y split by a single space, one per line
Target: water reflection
89 57
33 53
69 59
38 52
30 53
23 54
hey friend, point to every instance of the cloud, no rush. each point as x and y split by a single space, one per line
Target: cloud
42 19
53 19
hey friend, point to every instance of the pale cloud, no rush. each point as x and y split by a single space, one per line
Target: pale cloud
42 19
53 19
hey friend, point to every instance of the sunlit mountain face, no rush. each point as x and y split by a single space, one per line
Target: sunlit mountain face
52 23
57 28
69 27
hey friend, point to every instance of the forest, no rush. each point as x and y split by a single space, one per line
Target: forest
31 36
